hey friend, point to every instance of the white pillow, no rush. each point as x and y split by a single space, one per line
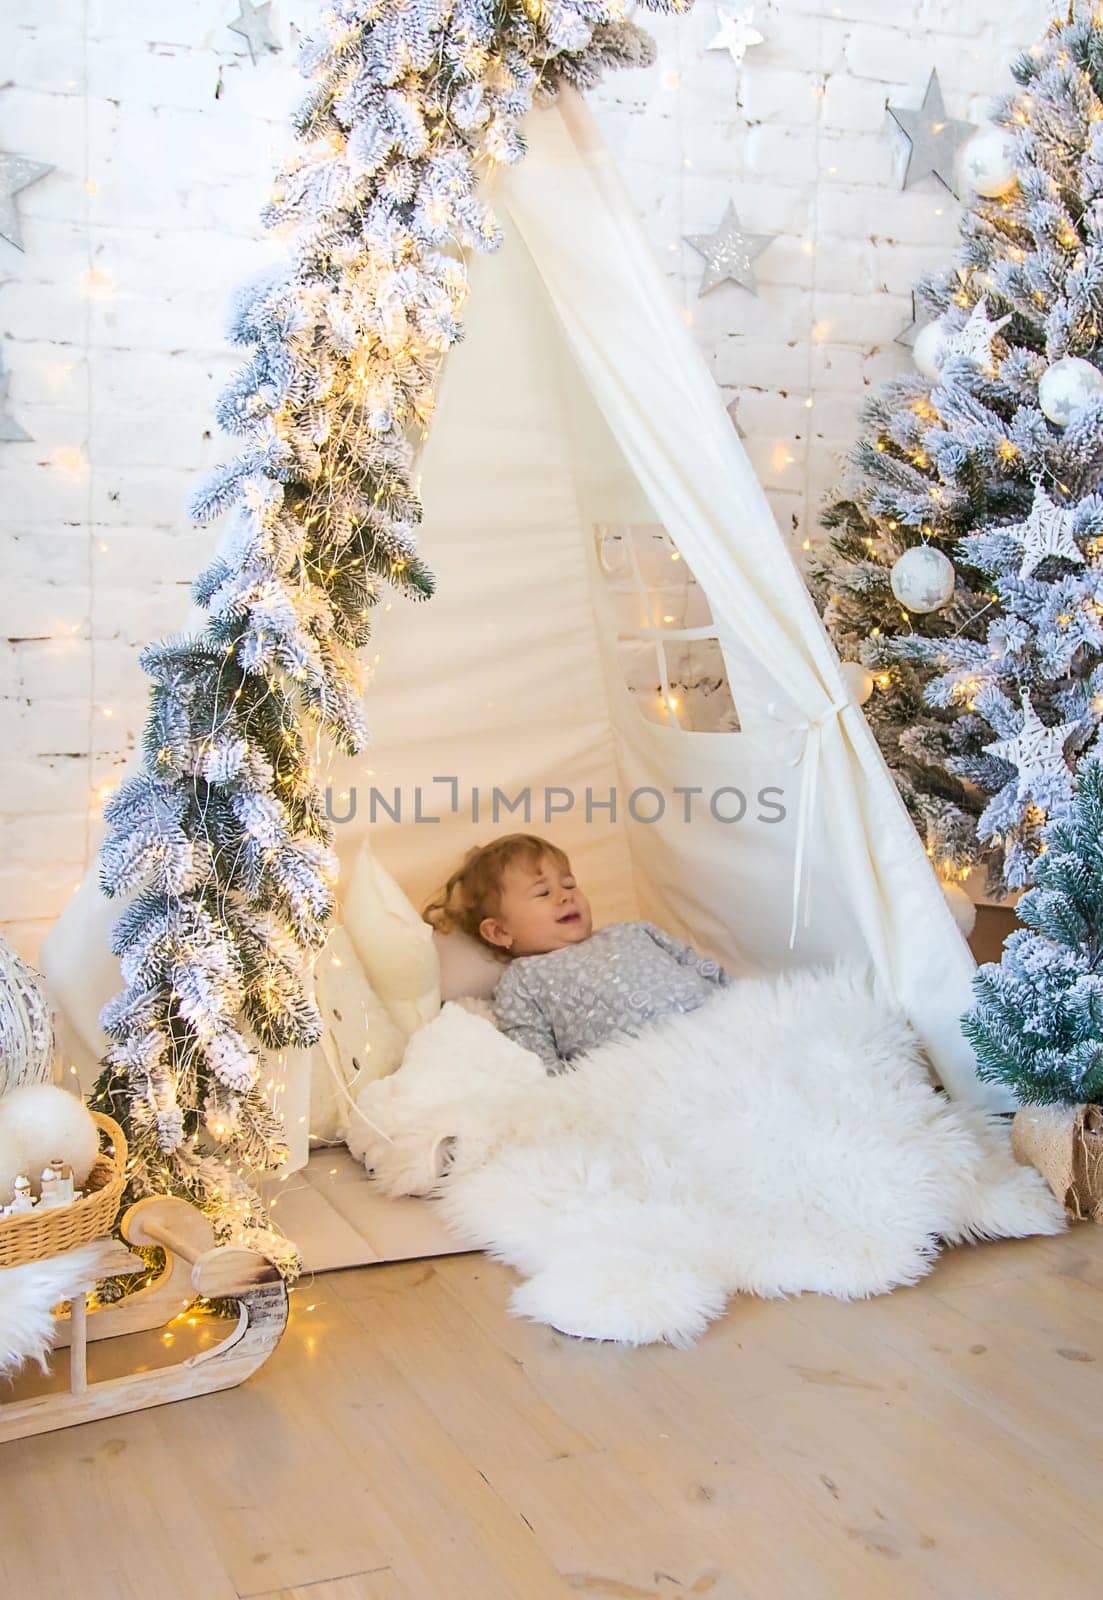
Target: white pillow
360 1039
467 968
395 947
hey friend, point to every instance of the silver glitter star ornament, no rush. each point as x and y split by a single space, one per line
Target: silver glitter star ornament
737 33
1036 752
16 173
254 24
1046 532
974 340
729 253
10 430
935 138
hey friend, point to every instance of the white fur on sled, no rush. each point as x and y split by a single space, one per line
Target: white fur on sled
28 1296
785 1137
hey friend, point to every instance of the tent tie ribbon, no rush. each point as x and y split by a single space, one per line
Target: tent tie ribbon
808 758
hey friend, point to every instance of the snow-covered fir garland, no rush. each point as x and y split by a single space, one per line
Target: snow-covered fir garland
220 841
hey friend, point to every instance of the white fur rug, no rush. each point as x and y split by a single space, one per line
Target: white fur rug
785 1137
28 1296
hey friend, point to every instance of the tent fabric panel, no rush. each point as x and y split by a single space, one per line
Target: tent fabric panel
497 680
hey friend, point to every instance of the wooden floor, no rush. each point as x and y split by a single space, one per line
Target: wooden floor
411 1441
338 1220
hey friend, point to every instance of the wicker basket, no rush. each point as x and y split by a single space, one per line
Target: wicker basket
34 1235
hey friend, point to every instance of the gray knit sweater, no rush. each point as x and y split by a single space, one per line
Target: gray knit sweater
621 977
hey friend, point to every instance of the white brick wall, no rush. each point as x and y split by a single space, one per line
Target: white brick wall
164 135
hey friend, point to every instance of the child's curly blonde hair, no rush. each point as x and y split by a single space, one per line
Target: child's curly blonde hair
473 892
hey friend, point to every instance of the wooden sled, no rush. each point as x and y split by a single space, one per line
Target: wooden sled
214 1271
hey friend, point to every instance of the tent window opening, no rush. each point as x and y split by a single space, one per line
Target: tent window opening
669 654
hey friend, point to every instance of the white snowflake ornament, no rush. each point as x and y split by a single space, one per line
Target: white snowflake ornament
1036 752
1046 532
974 340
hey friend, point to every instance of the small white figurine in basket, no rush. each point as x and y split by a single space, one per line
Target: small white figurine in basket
47 1188
22 1198
63 1174
55 1187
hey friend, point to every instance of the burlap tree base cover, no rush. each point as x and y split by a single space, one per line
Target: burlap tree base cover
1065 1143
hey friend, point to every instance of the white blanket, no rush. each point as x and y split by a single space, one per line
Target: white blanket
784 1137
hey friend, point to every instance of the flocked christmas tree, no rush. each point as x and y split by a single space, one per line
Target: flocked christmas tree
1038 1021
992 461
892 506
220 842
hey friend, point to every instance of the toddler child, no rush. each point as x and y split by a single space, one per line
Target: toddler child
567 986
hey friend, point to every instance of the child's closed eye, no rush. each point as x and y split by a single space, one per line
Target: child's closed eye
542 890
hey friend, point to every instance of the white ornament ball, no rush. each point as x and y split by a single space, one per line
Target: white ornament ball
988 162
963 910
1066 387
859 681
923 578
45 1122
927 349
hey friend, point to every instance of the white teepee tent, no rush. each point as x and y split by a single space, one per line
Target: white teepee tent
577 432
577 414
